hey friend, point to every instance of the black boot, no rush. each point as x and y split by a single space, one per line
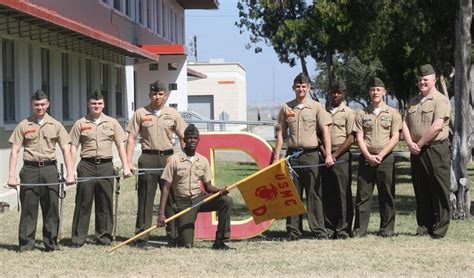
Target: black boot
220 245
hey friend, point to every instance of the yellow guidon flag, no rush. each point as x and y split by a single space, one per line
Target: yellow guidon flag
271 194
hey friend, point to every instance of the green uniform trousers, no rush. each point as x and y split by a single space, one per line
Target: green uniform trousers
185 223
430 171
47 197
337 196
102 191
307 180
146 189
384 176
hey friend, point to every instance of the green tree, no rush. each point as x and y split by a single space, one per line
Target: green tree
355 75
295 29
279 24
404 34
329 26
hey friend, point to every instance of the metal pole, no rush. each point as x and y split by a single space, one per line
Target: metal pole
117 193
61 201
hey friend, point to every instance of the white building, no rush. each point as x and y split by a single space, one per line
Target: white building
222 95
69 48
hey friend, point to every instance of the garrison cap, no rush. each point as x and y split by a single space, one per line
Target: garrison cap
39 95
301 79
95 95
191 130
157 86
339 85
375 82
426 70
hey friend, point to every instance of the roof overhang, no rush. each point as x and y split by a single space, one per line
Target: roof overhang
194 74
31 21
199 4
165 49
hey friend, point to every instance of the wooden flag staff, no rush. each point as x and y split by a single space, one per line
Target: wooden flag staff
213 196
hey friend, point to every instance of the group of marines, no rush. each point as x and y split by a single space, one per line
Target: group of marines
376 130
311 131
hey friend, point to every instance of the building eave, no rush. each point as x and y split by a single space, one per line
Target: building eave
38 23
165 49
196 74
199 4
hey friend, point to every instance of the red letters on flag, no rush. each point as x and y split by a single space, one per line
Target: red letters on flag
271 194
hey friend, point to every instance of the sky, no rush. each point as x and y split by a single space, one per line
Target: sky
268 81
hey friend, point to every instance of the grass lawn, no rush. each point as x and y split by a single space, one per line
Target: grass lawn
403 255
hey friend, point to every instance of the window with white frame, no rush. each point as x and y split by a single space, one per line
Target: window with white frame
65 87
88 76
164 17
171 21
45 72
118 5
88 79
104 85
176 28
182 31
128 7
8 67
158 17
140 11
119 91
149 9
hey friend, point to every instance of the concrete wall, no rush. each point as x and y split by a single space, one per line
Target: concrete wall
227 83
27 62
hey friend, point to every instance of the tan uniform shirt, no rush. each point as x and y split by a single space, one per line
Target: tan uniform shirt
377 129
96 139
39 141
342 125
421 114
301 123
186 176
156 131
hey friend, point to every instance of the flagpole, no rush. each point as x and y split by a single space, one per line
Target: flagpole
211 197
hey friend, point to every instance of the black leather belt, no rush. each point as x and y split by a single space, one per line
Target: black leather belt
40 163
164 152
96 160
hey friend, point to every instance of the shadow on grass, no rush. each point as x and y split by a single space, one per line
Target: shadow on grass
66 242
272 235
402 174
15 247
10 247
283 235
